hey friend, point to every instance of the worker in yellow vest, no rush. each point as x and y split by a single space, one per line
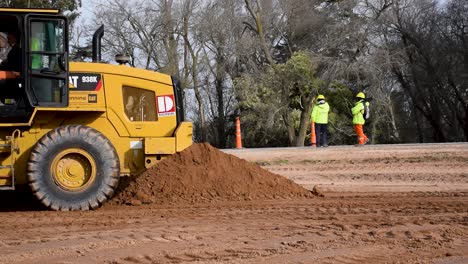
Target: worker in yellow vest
359 112
36 59
319 116
43 87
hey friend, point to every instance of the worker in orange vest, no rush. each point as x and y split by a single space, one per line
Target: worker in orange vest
319 116
359 113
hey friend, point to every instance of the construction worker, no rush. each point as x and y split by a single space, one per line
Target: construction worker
3 46
319 117
358 118
14 60
10 69
36 59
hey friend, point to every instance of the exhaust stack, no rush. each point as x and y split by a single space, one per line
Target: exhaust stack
97 36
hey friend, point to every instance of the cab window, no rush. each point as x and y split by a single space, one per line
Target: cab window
46 44
139 104
47 61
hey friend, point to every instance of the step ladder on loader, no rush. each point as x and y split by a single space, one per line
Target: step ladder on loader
8 150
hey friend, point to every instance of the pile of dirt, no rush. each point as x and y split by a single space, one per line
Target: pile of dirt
202 173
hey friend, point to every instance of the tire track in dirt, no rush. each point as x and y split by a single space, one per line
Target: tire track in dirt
358 220
372 170
87 243
328 230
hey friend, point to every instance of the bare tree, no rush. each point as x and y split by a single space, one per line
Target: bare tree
423 64
194 52
268 59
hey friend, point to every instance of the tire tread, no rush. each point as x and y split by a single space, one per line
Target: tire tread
74 134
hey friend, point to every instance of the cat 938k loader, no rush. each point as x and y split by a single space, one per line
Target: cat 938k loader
71 130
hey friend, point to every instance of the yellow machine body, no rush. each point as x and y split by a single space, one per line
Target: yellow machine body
134 108
69 130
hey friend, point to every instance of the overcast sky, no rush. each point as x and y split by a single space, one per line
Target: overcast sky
86 10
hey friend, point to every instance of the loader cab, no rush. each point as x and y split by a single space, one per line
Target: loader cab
40 79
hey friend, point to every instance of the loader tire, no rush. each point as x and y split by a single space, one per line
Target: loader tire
73 167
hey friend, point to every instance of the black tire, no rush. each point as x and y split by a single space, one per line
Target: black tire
73 167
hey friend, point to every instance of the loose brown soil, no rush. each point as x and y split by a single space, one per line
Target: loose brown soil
378 204
202 173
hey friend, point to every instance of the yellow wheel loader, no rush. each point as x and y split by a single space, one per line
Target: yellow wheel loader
70 130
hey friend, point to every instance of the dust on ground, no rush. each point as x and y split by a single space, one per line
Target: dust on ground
379 204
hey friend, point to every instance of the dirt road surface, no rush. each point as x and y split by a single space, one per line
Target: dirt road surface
376 204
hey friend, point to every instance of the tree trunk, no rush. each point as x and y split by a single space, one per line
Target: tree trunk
194 73
465 126
418 125
257 16
436 122
304 122
221 122
170 43
201 114
289 128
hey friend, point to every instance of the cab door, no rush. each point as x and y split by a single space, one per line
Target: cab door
46 45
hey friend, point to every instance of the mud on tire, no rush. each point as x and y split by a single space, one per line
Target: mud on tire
73 167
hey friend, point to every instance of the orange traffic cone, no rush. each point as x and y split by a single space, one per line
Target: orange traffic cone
238 133
313 139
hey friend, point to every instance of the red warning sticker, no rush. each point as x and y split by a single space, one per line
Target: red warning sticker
166 105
